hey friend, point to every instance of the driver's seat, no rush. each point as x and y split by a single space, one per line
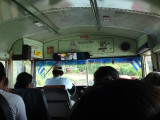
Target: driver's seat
58 103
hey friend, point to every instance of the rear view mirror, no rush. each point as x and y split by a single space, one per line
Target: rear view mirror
71 56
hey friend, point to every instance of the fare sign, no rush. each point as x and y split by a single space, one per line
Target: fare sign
38 53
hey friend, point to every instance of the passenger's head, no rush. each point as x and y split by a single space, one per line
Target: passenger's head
105 74
118 100
5 84
153 78
2 72
57 71
2 75
24 80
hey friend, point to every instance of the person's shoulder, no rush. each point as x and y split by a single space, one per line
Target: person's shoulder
11 97
64 78
49 79
14 96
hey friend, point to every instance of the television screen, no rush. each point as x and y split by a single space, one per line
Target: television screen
71 56
68 56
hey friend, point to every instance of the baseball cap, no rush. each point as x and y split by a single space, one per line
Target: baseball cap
57 67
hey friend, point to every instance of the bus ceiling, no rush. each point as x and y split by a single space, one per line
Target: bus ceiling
51 23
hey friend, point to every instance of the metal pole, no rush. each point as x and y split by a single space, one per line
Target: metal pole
87 72
10 71
95 13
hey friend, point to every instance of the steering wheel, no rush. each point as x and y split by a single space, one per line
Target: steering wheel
75 89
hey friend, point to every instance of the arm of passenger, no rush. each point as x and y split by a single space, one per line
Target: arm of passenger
46 82
21 111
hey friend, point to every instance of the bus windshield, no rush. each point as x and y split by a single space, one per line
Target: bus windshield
80 72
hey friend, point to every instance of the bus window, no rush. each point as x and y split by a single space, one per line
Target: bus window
27 66
80 72
125 67
74 70
17 68
147 63
20 66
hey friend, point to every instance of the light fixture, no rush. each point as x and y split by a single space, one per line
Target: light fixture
106 18
39 24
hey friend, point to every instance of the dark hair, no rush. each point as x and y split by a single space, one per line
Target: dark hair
23 79
2 72
6 82
105 74
57 72
122 99
153 78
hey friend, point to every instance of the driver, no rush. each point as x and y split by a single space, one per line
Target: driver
57 79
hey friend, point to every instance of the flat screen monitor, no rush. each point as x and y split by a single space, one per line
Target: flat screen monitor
71 56
68 56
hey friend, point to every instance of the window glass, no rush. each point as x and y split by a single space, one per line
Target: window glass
76 73
20 66
148 64
74 70
129 67
27 66
17 69
80 72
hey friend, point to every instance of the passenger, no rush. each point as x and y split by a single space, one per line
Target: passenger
105 74
16 103
153 78
118 100
24 80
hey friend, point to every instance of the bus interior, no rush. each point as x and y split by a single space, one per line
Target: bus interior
124 34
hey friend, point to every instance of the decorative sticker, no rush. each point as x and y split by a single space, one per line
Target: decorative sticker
103 45
41 69
50 50
72 46
135 63
84 36
37 53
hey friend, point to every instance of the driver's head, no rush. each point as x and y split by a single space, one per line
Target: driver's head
57 71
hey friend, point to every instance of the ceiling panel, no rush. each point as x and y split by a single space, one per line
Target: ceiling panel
71 21
9 10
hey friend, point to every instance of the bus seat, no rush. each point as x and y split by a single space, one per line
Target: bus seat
35 102
54 86
58 103
5 110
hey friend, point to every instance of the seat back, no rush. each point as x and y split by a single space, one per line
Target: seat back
35 102
5 110
58 103
54 86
